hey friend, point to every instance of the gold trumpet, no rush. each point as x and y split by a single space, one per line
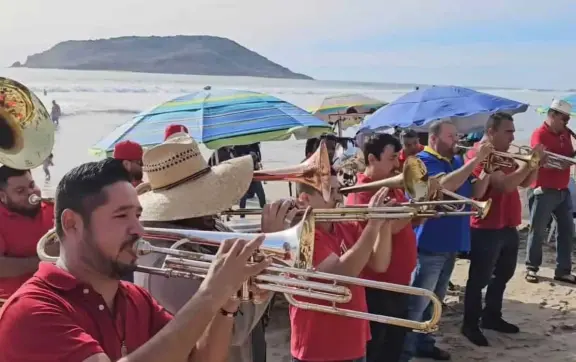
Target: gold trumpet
415 180
26 129
291 274
314 171
498 159
553 160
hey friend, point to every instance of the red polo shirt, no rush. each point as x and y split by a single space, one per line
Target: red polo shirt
506 208
560 143
18 238
404 245
402 156
325 337
55 317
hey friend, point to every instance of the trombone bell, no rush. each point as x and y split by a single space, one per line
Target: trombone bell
314 171
26 129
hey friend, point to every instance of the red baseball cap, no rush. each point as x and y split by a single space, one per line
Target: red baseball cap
128 151
174 128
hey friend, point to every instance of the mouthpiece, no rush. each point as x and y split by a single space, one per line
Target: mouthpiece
142 247
34 199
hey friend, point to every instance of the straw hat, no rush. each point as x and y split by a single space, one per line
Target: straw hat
561 106
181 185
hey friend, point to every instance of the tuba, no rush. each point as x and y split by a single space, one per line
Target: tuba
26 129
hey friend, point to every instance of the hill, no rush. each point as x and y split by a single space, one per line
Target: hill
199 55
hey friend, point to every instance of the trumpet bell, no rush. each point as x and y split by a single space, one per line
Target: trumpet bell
483 208
26 129
315 171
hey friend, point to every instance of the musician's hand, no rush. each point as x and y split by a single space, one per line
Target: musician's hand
278 215
540 151
231 267
257 295
434 188
379 198
484 150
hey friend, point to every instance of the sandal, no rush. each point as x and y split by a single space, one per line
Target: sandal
531 277
566 278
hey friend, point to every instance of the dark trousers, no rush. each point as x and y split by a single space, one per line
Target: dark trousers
387 341
493 257
363 359
255 188
259 342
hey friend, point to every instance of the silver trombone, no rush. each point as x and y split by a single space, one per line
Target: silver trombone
553 160
291 274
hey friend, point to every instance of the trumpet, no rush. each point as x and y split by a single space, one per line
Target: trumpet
415 180
314 171
292 272
498 159
553 160
35 199
25 126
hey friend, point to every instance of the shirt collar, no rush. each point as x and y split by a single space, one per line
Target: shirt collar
61 279
433 152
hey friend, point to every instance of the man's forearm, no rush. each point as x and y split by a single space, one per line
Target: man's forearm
456 178
214 346
14 267
398 225
177 340
532 176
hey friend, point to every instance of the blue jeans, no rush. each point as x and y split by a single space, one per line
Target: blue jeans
542 205
432 273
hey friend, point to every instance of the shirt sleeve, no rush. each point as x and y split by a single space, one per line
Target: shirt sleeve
478 169
433 166
56 337
323 248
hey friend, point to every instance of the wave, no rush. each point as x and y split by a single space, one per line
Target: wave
81 112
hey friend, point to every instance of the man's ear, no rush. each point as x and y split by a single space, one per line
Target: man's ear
3 197
72 222
371 159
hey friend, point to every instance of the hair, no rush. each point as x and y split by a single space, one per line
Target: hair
82 188
436 127
495 120
8 172
408 133
376 144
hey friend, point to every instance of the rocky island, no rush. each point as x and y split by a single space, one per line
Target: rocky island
198 55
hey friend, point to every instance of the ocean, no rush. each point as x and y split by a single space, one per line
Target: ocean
95 102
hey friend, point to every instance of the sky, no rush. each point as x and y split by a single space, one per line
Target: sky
505 43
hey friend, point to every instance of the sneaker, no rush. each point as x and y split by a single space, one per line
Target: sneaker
499 325
475 335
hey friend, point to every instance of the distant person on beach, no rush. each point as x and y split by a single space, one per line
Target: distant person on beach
56 112
45 93
256 187
46 165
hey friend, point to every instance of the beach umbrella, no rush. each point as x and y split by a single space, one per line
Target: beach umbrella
346 109
217 118
467 108
570 99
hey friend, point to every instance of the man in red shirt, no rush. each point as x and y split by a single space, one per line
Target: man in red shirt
22 224
494 239
78 310
381 158
130 153
549 195
410 146
343 249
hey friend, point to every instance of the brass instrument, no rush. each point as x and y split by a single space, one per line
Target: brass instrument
292 273
26 129
498 159
314 171
415 180
553 160
35 199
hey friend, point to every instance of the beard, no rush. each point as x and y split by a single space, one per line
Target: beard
137 175
30 211
446 150
112 268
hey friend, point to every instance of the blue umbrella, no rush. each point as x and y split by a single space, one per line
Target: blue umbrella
219 118
467 108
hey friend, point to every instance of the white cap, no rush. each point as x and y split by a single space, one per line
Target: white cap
561 106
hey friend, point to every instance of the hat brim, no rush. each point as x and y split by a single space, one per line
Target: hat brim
210 194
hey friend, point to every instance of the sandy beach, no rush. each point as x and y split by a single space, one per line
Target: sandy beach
545 313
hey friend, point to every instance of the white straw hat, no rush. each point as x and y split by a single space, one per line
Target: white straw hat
181 184
561 106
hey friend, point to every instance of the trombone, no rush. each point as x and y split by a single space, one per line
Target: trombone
553 160
291 274
498 159
314 171
415 180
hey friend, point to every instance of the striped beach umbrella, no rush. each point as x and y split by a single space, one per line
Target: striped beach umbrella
217 118
347 109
